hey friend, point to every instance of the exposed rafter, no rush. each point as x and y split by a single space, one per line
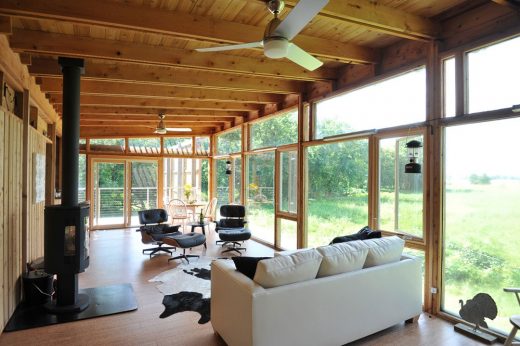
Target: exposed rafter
108 88
385 19
185 25
119 101
168 75
70 45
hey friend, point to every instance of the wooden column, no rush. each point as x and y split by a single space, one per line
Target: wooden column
433 174
50 166
160 182
460 83
301 234
25 175
2 81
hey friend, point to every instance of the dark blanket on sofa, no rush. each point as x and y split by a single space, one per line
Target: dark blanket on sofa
362 234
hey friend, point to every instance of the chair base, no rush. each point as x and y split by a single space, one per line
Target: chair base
154 250
183 256
235 246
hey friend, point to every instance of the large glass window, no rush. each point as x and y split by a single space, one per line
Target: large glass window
223 183
237 179
337 190
82 181
229 142
449 87
260 195
143 190
288 234
395 101
108 145
185 175
493 75
400 193
144 145
275 131
177 145
482 223
288 181
202 146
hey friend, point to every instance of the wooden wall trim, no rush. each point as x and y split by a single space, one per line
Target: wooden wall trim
25 175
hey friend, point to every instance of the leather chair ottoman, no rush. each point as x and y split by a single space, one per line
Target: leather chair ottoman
232 236
185 241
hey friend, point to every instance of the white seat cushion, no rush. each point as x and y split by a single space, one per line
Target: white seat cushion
341 258
284 270
383 250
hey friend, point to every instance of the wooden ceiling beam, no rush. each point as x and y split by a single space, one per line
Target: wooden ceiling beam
54 86
153 124
147 117
157 20
378 17
120 101
129 72
40 42
98 132
153 111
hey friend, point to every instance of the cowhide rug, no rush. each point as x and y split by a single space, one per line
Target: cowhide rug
187 288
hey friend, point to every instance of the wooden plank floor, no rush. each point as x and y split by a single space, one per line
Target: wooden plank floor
116 258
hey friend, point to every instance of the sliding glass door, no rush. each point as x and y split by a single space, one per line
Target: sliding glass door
482 232
108 192
260 195
143 188
121 188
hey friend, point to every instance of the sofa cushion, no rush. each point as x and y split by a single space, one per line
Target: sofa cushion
284 270
383 250
341 258
247 265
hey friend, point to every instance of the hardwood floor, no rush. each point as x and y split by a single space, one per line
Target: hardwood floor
116 258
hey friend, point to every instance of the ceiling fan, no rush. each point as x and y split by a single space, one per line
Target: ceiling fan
278 34
162 130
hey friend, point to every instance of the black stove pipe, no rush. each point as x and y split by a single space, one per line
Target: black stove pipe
72 70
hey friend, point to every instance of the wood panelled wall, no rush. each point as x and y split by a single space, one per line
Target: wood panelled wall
11 213
37 145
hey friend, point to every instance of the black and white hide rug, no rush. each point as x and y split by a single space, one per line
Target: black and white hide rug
186 288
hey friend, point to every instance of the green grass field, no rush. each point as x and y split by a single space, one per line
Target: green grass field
482 236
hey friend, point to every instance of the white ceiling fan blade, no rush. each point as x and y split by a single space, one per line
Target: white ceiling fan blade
302 58
231 47
299 17
178 129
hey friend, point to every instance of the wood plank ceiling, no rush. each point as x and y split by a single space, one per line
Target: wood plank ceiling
140 57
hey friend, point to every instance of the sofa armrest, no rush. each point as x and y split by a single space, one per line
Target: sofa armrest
232 302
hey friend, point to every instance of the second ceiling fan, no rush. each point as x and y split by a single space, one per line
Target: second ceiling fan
278 34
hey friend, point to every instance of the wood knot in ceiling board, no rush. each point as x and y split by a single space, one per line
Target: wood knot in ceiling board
118 53
355 6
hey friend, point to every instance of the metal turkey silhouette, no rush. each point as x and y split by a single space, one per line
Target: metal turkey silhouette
476 309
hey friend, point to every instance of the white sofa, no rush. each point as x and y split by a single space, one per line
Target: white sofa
332 310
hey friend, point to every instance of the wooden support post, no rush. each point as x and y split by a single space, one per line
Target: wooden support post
433 174
26 156
301 233
160 181
2 86
460 83
50 166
